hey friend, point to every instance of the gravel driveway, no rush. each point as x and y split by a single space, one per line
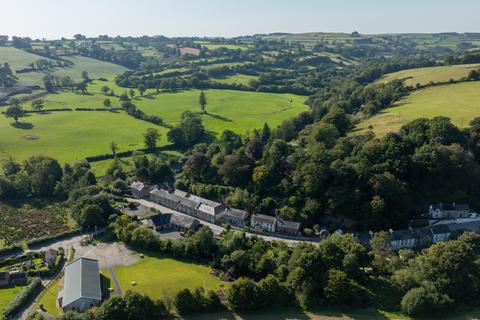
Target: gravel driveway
109 255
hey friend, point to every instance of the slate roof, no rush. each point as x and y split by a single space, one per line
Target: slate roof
184 222
452 206
403 235
82 280
264 218
285 224
137 185
161 219
237 213
440 229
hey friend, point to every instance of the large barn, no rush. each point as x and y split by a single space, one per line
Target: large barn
81 289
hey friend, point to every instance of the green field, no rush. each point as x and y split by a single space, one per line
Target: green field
213 46
7 295
227 109
460 102
19 59
237 79
424 76
49 299
159 277
73 135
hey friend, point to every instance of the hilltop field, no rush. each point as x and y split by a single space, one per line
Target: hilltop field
424 76
19 59
460 102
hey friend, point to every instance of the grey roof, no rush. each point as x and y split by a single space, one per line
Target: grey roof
51 253
440 229
184 221
161 219
237 213
451 206
403 235
82 280
423 232
205 205
137 185
285 224
264 218
175 196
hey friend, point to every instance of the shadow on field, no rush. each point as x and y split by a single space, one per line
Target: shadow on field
218 117
23 125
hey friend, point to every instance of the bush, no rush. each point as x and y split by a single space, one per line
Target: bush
424 300
23 298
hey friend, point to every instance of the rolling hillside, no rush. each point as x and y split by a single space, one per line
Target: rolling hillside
460 102
424 76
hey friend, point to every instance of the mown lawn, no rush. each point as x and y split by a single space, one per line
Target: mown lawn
72 135
7 295
460 102
159 276
238 111
435 74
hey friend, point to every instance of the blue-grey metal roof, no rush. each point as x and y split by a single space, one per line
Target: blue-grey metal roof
82 280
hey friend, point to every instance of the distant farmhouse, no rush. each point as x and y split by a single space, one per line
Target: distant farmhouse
169 221
450 211
81 289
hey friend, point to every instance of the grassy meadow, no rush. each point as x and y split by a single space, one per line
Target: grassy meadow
238 111
460 102
72 135
7 295
49 299
158 276
424 76
237 78
19 59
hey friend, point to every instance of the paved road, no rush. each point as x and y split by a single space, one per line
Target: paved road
113 276
215 228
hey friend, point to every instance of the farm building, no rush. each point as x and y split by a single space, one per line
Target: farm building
50 256
140 190
81 289
192 205
235 217
167 221
288 227
263 222
440 233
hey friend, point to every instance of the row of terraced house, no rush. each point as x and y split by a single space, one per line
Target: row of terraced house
211 211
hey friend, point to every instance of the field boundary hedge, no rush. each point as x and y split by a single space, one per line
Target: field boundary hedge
126 154
23 298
